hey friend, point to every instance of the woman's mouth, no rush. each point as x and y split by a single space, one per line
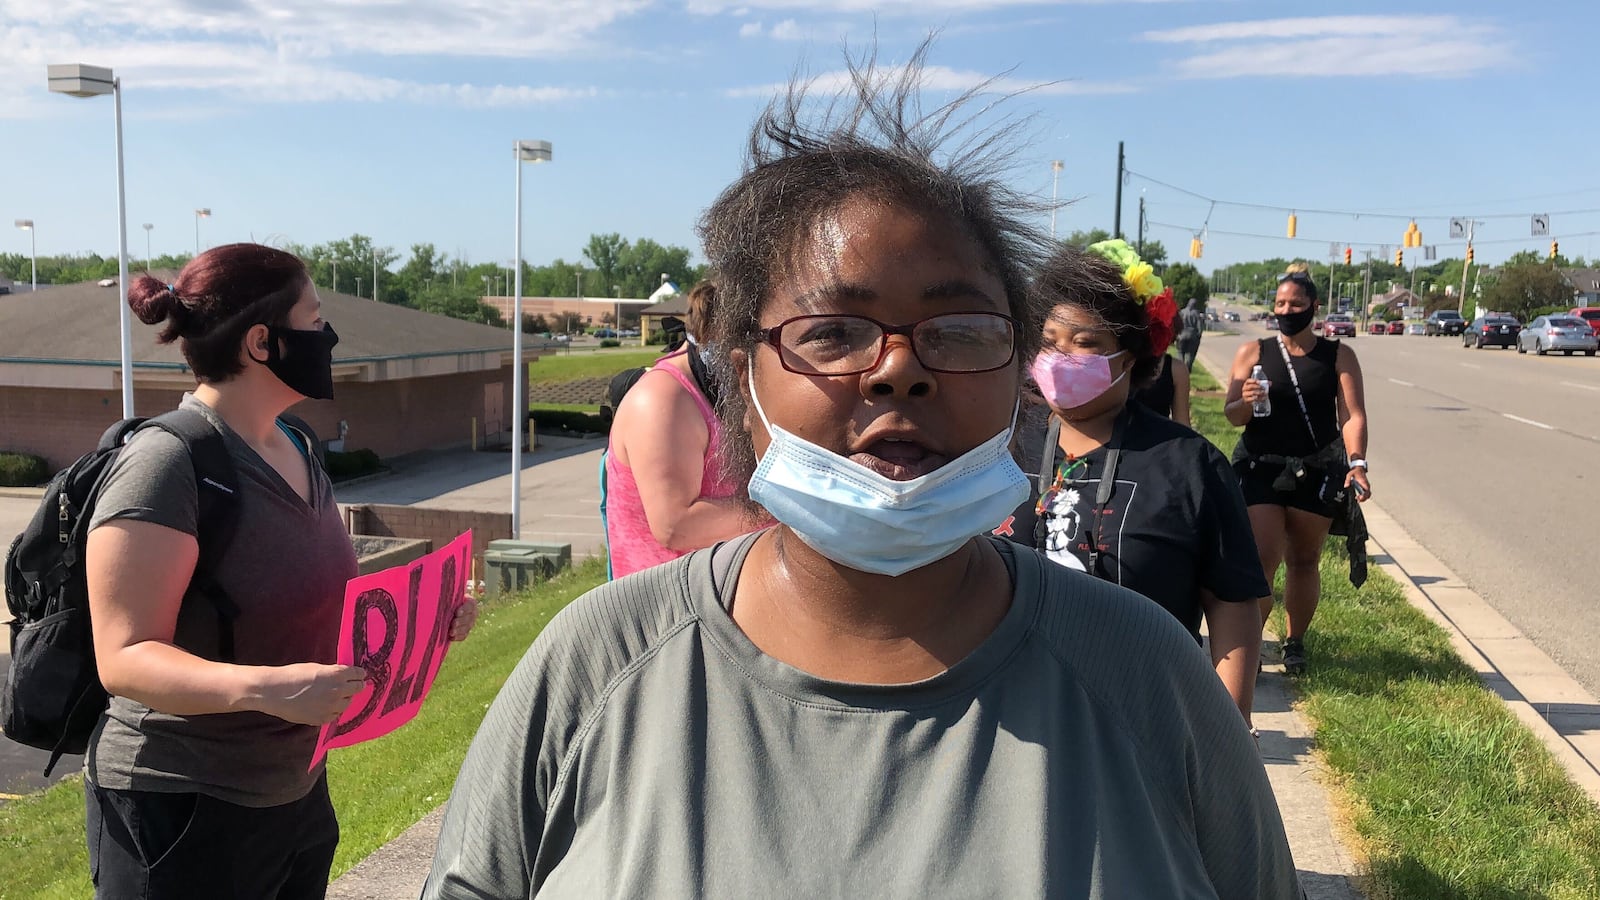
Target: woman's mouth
899 460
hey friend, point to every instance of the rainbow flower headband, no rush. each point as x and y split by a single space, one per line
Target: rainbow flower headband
1138 275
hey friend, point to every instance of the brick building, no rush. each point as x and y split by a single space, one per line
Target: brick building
404 380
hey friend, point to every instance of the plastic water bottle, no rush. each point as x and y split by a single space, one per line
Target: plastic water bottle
1262 407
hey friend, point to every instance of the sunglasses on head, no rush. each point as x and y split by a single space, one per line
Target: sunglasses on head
1298 277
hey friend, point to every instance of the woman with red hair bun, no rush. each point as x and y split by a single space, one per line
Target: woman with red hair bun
1121 492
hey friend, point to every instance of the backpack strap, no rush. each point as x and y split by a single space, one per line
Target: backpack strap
313 447
217 486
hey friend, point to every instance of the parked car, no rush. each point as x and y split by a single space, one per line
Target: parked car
1378 328
1590 314
605 333
1416 328
1562 334
1397 327
1445 322
1339 325
1491 331
1231 316
1270 323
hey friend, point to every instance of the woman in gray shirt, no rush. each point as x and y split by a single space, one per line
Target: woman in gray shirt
198 779
870 698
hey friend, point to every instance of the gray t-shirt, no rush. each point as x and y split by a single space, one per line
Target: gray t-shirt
285 570
645 747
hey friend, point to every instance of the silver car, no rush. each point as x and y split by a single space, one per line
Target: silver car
1564 334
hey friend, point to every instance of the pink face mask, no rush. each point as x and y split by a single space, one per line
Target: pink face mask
1069 381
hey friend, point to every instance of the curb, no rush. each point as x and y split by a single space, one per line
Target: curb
1553 705
23 493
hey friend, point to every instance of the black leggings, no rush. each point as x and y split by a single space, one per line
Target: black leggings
147 845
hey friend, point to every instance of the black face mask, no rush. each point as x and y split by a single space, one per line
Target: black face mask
1296 322
305 364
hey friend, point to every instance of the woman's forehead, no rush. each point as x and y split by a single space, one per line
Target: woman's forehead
1075 320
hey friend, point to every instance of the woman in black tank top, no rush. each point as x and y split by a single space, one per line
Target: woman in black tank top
1296 461
1168 395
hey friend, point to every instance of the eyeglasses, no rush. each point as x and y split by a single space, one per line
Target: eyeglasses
1298 277
955 343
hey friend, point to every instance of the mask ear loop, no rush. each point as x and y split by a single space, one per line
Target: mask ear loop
750 380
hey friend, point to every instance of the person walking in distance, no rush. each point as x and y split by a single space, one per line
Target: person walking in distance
1304 446
1193 327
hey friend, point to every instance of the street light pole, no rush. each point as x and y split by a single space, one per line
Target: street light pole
1055 187
147 227
33 250
534 152
80 80
202 213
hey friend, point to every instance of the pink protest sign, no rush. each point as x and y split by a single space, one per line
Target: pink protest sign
397 627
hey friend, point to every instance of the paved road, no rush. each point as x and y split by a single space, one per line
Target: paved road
1489 458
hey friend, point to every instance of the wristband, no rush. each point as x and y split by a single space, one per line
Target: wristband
1359 464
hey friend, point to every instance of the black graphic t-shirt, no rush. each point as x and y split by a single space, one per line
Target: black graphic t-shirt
1175 522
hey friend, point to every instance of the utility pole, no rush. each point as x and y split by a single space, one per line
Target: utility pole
1461 302
1116 222
1141 225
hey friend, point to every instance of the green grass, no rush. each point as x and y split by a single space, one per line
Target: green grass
1448 793
380 788
535 408
558 367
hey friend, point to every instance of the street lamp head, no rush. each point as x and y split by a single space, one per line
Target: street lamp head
80 80
533 151
204 213
147 226
1057 165
25 224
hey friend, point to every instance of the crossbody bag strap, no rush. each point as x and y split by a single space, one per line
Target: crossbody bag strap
1108 481
1305 414
1047 465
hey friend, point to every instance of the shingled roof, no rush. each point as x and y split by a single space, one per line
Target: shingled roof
78 323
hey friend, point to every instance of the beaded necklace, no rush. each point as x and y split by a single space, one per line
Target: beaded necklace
1063 472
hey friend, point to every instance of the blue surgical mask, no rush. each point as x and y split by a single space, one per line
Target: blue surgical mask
861 519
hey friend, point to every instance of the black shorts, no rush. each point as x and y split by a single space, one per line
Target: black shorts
1319 493
152 846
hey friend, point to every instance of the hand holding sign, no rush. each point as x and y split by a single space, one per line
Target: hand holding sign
398 625
310 693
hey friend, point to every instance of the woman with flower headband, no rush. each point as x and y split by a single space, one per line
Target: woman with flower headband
1122 493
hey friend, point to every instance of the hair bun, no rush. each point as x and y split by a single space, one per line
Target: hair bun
1297 268
152 301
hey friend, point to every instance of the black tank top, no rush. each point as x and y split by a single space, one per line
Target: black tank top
1158 395
1284 432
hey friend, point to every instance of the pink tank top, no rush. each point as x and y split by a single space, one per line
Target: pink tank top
632 545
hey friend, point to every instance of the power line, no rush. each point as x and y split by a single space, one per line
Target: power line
1280 237
1351 213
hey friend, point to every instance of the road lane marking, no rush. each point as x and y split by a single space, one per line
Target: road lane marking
1402 383
1581 387
1529 422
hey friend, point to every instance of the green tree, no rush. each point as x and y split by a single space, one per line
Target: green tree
1187 284
1520 288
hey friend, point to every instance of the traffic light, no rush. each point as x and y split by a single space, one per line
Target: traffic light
1555 249
1347 256
1195 248
1293 221
1469 254
1399 257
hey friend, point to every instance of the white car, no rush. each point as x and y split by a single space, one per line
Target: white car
1416 328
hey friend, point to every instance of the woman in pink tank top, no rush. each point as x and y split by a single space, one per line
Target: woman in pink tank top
665 491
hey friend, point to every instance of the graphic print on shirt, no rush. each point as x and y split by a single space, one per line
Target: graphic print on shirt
1069 519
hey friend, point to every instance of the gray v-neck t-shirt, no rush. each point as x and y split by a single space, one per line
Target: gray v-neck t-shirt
645 747
285 569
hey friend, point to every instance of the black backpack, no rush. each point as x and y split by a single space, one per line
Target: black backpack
53 698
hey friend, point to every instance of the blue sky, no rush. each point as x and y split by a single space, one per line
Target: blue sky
307 120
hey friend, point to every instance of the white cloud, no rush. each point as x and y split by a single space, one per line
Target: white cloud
944 78
787 30
1335 46
750 29
890 7
294 50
